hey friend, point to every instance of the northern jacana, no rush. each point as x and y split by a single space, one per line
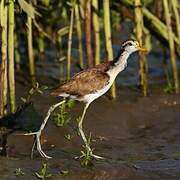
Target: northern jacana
88 85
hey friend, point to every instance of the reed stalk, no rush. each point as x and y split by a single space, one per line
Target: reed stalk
171 45
41 43
107 30
3 67
158 26
60 54
87 28
70 41
96 31
177 16
139 35
11 74
16 52
79 35
30 50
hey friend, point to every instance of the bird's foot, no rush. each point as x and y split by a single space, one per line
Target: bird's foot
97 157
38 143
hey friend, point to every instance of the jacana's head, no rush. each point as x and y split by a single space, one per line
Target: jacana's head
132 46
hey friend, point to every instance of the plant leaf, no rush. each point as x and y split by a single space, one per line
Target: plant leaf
28 8
63 31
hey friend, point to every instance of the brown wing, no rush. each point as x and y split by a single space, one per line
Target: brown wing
85 82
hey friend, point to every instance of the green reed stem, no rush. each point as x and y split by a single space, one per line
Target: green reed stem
171 45
107 29
96 31
79 35
155 23
17 55
70 42
139 36
176 13
11 74
3 67
88 33
30 50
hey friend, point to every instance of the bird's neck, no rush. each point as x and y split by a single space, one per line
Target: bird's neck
120 62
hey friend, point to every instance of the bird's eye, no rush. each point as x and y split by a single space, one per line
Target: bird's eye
130 44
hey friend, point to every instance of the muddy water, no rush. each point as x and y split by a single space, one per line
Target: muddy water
139 137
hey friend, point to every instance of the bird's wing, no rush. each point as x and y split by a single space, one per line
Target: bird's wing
85 82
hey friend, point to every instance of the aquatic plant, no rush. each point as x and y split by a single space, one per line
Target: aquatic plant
34 90
43 172
19 172
62 117
86 154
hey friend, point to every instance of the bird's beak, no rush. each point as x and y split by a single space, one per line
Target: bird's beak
142 49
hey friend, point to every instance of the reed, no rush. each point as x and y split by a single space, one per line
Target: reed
107 30
159 26
139 35
96 31
79 35
153 22
177 16
17 55
70 40
88 32
167 15
30 50
11 74
3 67
41 43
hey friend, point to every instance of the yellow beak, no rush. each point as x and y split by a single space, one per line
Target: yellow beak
142 49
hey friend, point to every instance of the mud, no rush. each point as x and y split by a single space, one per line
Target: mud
138 136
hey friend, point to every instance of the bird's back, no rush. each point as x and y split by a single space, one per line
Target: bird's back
85 82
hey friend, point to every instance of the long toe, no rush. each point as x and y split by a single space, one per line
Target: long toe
98 157
44 155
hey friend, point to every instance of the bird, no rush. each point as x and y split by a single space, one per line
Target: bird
88 85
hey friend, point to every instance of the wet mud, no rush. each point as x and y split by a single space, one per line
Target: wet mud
138 136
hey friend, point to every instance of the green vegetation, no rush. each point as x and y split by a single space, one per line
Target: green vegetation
43 174
19 172
86 154
62 117
34 90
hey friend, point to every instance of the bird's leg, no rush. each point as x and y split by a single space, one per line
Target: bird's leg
80 128
38 133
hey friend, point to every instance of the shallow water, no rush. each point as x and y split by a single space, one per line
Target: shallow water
138 136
